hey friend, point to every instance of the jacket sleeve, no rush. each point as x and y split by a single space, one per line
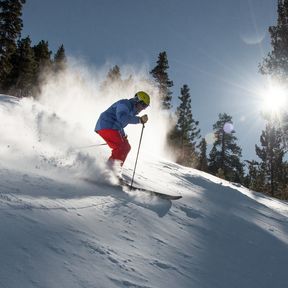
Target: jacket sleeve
122 114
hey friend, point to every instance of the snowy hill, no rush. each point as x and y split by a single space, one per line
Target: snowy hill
59 230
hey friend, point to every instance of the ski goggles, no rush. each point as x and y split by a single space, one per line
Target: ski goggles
142 104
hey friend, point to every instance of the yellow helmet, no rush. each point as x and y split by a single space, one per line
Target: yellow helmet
143 97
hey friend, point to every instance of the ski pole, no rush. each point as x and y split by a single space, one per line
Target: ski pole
132 180
76 149
90 146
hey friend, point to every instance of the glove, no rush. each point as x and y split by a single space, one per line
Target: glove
144 119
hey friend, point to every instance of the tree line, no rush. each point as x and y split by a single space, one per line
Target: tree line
185 137
23 66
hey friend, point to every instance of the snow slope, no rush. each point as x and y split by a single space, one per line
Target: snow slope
59 230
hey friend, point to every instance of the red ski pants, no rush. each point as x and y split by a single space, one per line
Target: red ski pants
118 143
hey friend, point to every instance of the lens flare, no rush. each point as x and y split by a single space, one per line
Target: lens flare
228 127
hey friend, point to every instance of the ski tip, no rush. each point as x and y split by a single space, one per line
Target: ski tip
173 197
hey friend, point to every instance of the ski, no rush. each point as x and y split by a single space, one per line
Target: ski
126 185
155 193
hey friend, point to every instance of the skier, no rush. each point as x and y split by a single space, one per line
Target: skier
111 123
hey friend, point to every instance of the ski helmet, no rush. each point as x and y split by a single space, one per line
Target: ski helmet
143 97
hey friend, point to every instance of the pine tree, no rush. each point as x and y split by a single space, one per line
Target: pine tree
114 79
10 30
187 132
20 80
60 60
214 160
225 153
42 56
114 74
160 76
272 165
276 62
255 178
275 136
202 159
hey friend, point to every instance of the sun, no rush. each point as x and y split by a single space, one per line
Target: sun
274 99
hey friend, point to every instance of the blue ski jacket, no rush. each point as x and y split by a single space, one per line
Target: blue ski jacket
118 116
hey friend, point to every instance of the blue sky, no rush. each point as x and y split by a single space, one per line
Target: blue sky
213 46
